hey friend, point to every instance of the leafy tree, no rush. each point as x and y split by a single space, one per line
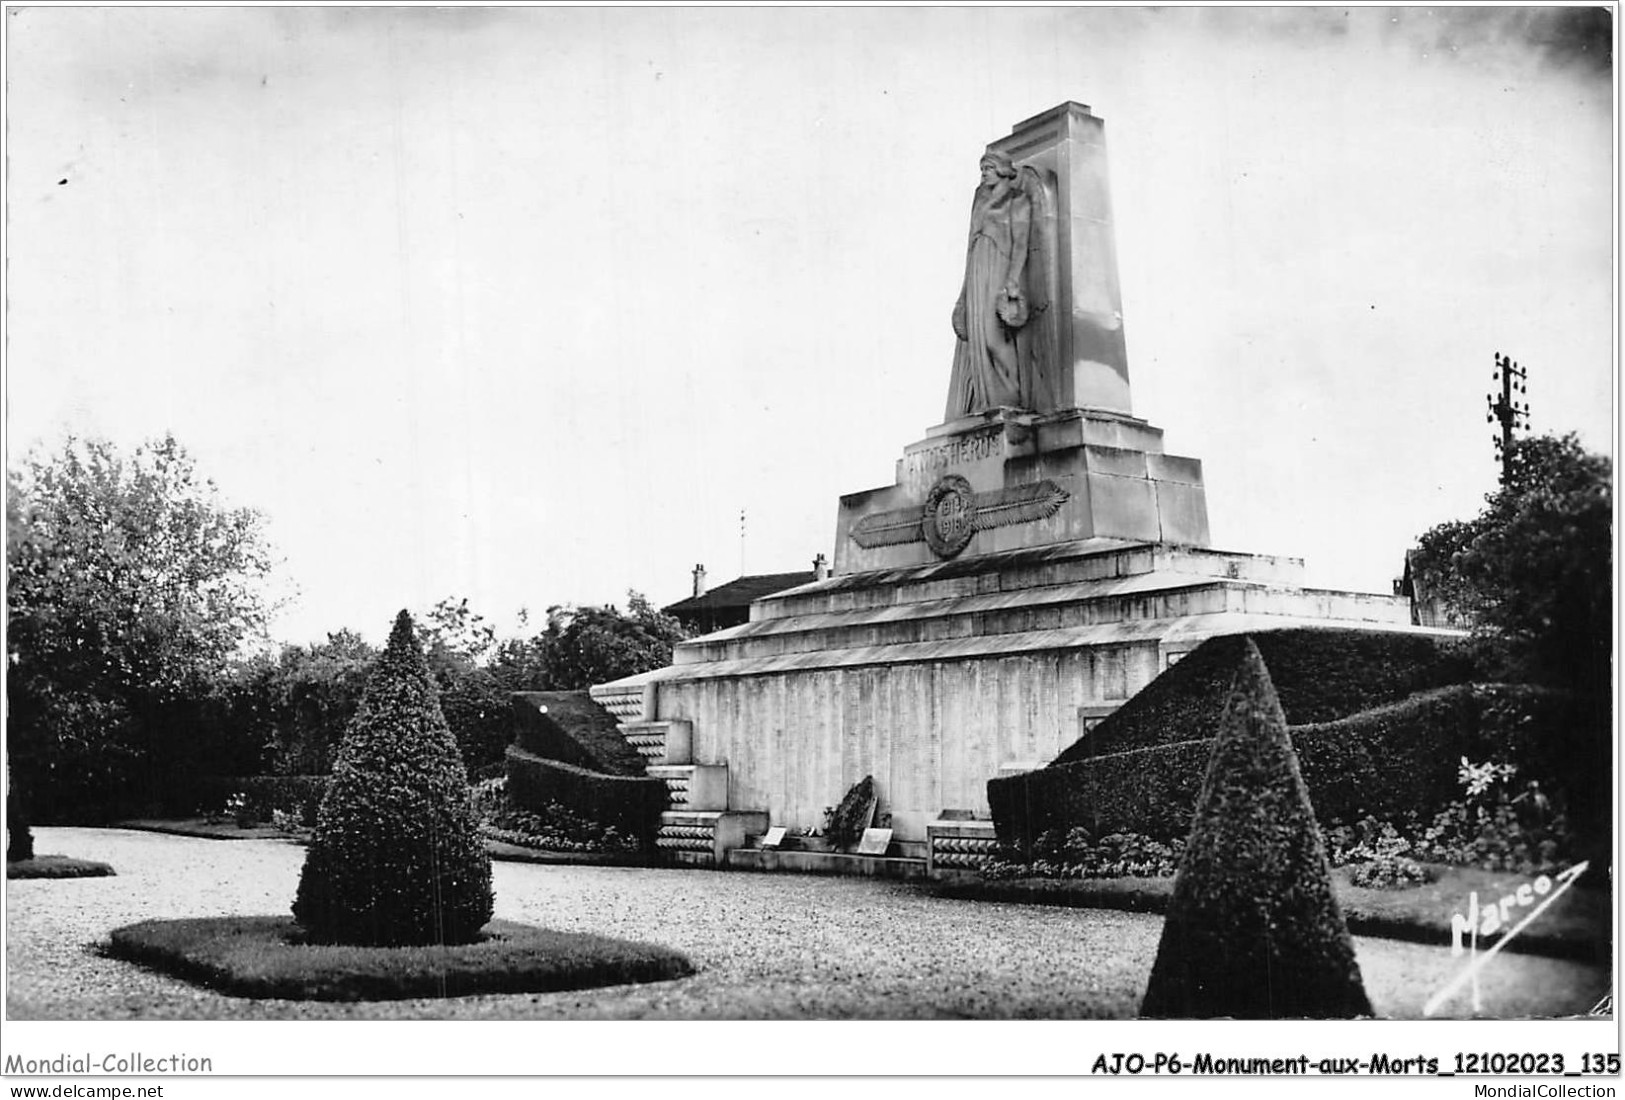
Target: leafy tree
454 630
305 698
396 857
131 586
1534 569
457 643
301 702
520 664
593 645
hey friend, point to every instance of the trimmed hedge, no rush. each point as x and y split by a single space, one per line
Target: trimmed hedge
1253 929
396 858
1391 760
631 804
1149 791
1405 757
295 794
573 730
1388 761
1319 676
268 957
57 867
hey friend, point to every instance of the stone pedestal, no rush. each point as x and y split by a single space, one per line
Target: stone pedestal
934 678
1007 480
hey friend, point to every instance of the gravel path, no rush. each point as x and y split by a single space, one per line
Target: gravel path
768 946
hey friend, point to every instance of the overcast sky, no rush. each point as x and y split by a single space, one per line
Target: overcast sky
526 305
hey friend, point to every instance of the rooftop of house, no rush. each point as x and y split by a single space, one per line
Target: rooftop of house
740 592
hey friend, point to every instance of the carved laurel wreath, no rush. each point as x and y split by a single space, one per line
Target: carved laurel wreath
952 513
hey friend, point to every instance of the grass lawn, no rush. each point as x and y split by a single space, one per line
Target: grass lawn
499 849
57 867
1578 925
524 853
264 957
208 828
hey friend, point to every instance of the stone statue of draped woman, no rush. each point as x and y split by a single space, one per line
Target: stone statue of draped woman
1001 318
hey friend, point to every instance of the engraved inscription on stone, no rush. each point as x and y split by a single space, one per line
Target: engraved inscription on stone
874 842
922 466
950 516
773 837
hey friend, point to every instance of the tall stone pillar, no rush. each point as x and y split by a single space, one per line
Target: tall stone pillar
1069 144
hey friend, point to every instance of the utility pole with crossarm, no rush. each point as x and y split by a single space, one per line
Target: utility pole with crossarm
1512 414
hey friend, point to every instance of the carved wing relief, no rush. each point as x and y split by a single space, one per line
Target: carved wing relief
987 510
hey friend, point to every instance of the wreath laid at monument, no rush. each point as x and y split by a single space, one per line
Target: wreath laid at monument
853 815
395 897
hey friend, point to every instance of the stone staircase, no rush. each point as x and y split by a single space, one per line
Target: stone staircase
660 743
699 828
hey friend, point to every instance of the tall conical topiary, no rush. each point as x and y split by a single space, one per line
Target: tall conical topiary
1253 930
396 857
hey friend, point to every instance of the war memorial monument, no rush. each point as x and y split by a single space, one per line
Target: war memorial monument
1037 560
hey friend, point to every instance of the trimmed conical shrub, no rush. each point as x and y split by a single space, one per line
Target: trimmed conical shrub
396 857
1253 930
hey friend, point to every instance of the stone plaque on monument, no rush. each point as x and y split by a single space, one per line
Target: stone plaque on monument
773 837
874 842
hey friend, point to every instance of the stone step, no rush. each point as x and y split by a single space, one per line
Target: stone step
696 787
825 863
665 742
1115 605
957 846
896 849
1092 561
704 839
626 702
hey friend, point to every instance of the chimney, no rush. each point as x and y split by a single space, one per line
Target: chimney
699 580
820 568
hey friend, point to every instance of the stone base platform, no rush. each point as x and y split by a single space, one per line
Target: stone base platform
933 678
1092 592
826 863
705 839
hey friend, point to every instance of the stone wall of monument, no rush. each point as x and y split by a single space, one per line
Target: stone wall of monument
931 733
